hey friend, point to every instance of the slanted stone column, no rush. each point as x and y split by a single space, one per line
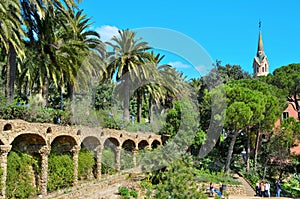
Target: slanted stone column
44 152
75 150
118 158
134 152
4 150
98 161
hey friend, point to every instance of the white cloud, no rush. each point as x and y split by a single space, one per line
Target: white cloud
178 64
107 32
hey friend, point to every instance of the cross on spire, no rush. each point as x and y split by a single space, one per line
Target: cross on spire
259 25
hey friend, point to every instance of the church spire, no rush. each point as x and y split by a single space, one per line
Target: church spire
260 63
260 48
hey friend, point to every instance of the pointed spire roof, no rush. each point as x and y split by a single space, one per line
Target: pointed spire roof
260 48
260 43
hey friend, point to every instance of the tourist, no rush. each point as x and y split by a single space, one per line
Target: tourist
267 189
211 189
278 188
262 189
257 189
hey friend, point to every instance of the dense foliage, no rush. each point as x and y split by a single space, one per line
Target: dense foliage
61 171
20 174
55 69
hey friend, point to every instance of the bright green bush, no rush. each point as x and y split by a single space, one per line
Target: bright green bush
126 193
86 162
21 169
108 161
61 171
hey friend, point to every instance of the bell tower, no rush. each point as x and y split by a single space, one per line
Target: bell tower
260 62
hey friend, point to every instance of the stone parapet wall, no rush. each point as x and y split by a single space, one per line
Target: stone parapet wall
230 189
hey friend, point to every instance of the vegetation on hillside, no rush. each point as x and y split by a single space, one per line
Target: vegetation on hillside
52 63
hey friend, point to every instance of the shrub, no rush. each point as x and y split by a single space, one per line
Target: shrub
133 193
126 192
20 170
60 171
86 161
108 161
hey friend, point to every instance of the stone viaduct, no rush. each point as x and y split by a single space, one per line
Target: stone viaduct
40 138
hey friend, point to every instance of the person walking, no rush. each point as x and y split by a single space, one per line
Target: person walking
278 188
267 190
257 189
262 189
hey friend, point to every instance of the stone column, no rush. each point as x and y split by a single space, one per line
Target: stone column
4 150
98 162
134 152
118 158
75 150
44 152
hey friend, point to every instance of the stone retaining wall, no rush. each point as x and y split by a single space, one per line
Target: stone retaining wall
230 189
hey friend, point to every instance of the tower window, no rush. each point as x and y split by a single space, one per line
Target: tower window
263 69
285 115
257 69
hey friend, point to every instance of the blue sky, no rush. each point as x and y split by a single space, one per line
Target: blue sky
227 30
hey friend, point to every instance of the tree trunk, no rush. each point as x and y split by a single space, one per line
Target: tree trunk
256 151
265 170
126 101
248 149
45 91
11 68
139 105
230 151
150 114
70 91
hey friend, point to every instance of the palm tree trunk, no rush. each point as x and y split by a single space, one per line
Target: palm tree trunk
46 91
150 114
230 151
11 73
139 105
126 101
71 91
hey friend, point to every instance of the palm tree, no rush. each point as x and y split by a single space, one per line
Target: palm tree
11 31
80 51
11 34
127 62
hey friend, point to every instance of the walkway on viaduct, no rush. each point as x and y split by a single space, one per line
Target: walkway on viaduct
40 138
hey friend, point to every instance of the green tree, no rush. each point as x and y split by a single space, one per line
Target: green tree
275 104
287 78
178 181
11 34
245 108
127 62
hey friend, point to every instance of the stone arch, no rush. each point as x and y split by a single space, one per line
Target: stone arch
110 155
155 144
7 127
143 144
127 154
28 142
31 144
128 145
112 142
63 143
90 143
